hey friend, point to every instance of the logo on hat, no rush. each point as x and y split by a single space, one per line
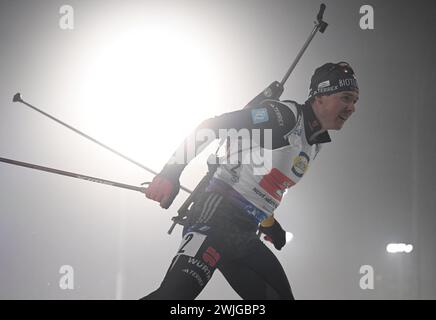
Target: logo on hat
324 84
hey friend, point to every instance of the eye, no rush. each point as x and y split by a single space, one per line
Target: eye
346 99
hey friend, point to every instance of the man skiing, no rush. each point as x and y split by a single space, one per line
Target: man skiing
241 199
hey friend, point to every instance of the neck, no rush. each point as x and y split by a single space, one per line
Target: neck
317 124
314 123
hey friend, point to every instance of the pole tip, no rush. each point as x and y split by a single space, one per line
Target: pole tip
17 97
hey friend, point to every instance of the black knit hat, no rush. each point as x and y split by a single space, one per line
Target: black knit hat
331 78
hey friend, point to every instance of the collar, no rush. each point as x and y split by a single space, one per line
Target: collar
312 127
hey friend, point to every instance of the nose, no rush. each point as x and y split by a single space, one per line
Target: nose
351 107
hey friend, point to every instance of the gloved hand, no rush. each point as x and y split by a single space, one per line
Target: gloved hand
274 234
163 190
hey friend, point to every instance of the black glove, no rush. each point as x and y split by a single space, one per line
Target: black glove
274 234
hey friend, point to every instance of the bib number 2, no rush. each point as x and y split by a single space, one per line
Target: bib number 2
191 243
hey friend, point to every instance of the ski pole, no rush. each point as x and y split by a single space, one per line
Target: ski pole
73 175
17 98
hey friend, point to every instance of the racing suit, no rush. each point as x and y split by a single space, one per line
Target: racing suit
221 231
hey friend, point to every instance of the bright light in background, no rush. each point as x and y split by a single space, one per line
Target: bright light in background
289 236
399 248
147 88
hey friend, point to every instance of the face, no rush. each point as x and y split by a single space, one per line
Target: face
333 110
